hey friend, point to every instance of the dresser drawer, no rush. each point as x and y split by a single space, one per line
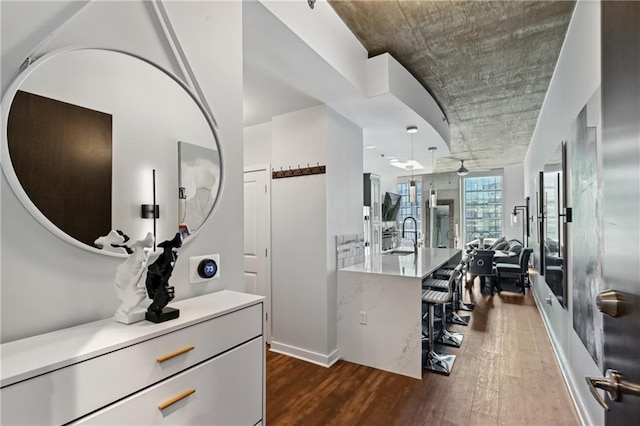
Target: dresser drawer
226 390
68 393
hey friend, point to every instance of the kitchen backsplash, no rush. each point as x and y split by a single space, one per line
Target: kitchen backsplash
350 249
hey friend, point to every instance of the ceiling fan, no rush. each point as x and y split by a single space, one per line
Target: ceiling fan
462 170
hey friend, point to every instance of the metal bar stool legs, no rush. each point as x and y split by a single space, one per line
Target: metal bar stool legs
447 337
441 363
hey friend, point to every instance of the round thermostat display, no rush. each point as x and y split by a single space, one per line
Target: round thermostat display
207 268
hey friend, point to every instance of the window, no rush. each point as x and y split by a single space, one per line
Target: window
482 207
410 209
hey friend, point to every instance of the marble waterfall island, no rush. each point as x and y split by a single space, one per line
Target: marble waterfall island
380 309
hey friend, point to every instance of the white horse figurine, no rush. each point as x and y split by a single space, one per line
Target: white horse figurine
130 283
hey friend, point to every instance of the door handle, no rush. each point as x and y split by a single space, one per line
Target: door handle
614 385
610 302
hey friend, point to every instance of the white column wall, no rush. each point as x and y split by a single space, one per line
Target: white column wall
345 198
298 239
575 79
47 284
307 213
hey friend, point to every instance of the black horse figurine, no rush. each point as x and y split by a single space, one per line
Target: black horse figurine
158 289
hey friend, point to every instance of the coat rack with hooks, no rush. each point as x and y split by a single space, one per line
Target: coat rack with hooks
298 171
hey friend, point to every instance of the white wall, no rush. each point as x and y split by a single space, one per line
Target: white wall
513 195
575 79
257 144
307 212
47 284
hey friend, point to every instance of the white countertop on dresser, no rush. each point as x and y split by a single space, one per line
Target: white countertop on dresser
410 265
25 358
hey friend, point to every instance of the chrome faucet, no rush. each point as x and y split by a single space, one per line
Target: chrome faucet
415 232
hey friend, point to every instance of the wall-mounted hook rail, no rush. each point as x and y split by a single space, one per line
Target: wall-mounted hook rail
299 171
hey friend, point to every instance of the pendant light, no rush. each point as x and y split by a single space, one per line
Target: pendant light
413 196
462 171
433 194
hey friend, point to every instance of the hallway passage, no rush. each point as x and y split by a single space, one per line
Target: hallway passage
505 374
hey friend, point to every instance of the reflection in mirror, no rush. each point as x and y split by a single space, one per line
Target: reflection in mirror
199 175
85 129
443 233
554 235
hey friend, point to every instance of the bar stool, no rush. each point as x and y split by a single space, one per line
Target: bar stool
439 282
444 273
441 363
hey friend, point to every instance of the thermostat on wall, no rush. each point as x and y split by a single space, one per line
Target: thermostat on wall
204 268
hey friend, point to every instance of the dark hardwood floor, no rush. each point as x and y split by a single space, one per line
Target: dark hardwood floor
505 374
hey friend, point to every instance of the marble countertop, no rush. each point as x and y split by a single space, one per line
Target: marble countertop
407 265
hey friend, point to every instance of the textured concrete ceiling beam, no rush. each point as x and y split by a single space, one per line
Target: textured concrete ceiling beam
487 63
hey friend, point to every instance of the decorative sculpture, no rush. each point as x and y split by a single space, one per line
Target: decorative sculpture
158 288
128 282
114 242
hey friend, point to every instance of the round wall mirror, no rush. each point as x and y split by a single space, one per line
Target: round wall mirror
94 136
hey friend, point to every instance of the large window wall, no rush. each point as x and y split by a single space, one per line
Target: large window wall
482 207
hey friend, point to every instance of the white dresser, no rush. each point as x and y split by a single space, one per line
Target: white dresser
205 368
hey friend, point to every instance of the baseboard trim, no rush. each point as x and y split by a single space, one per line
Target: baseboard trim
305 355
562 362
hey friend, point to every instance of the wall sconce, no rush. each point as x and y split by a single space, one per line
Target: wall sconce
149 212
514 220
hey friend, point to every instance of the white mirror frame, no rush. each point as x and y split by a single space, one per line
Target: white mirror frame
12 178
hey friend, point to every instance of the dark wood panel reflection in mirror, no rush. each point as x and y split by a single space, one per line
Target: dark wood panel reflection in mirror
56 145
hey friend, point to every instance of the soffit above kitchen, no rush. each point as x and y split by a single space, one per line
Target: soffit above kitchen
295 58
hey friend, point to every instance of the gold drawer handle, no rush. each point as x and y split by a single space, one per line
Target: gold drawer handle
175 399
163 358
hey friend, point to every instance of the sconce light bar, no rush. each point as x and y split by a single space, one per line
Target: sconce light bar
525 211
152 211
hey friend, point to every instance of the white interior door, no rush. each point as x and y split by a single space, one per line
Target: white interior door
257 237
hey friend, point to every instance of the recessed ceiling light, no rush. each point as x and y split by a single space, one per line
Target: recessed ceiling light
393 160
370 147
409 165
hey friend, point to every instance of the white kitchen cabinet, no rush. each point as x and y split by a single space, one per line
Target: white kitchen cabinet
215 347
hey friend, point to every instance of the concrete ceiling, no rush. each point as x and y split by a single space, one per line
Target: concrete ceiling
488 64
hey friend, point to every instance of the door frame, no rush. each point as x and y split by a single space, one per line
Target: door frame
266 168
